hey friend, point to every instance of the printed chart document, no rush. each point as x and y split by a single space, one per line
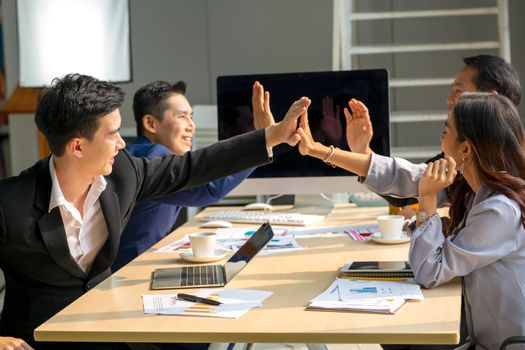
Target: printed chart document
235 303
329 300
369 289
365 296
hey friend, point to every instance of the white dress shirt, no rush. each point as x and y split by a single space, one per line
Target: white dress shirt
86 233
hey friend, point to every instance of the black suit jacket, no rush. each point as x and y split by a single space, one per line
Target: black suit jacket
41 275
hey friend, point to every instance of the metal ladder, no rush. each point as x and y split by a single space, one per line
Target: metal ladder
349 53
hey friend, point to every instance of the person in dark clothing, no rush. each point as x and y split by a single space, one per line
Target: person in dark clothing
164 120
61 219
481 73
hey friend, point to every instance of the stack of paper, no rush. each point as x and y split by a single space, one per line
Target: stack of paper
366 296
235 303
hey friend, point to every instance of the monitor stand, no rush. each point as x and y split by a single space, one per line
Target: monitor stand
316 204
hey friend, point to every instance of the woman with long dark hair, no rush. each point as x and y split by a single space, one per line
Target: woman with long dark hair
484 243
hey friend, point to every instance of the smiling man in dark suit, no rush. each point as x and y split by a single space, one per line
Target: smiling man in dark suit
61 219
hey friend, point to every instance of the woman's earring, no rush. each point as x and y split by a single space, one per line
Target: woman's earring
462 166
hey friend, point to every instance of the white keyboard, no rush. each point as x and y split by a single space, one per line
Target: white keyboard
259 217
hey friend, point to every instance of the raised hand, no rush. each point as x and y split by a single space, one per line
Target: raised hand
355 162
359 130
438 176
306 145
286 130
262 115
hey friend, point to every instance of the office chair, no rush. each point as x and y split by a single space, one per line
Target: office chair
519 339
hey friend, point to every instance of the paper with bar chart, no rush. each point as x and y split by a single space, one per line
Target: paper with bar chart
235 303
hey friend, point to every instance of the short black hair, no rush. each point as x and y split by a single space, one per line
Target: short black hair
149 99
494 73
72 106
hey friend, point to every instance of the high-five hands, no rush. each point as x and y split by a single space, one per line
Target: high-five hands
286 129
359 130
357 163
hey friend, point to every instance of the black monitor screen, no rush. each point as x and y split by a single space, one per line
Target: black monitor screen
329 92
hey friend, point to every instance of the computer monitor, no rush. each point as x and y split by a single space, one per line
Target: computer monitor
290 172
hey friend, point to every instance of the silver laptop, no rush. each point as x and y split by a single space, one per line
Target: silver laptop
212 275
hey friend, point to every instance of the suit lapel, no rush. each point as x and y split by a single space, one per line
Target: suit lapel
50 223
53 232
111 210
54 236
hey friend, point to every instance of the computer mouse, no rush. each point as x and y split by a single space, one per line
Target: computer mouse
258 206
217 223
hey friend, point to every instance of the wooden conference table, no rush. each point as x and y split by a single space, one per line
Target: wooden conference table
112 312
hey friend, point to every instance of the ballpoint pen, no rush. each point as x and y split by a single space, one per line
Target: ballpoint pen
196 299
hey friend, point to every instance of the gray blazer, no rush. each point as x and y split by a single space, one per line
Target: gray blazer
397 177
488 251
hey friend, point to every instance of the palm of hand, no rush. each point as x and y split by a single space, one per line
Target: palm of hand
359 130
263 118
359 133
262 114
306 143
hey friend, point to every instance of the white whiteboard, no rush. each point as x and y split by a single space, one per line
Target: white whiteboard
57 37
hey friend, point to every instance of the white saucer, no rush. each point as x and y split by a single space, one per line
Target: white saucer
188 256
376 237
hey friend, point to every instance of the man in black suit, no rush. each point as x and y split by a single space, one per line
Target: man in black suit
61 219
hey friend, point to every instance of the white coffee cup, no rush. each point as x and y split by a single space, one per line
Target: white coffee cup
391 226
203 244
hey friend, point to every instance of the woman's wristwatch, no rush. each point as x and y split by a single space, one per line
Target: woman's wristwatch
422 216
